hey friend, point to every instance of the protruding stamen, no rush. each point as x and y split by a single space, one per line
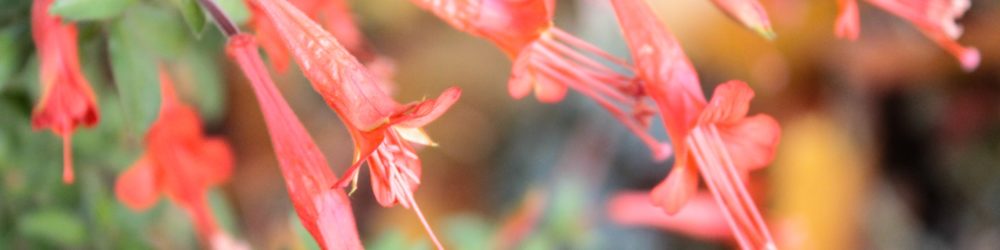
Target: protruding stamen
67 157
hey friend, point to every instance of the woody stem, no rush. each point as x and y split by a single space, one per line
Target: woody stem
226 25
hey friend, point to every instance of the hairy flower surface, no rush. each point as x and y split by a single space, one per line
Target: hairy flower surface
934 18
714 138
67 101
549 61
180 162
326 213
334 15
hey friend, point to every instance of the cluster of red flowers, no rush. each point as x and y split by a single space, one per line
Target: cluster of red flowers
711 139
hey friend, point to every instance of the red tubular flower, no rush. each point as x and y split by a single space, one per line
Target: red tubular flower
324 212
935 18
179 161
548 60
67 100
714 138
748 12
380 127
333 14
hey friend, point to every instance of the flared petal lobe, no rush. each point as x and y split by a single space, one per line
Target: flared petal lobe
138 187
673 193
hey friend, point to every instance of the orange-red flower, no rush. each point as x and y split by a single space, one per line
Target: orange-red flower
548 61
324 212
181 162
935 18
748 12
67 100
381 128
713 138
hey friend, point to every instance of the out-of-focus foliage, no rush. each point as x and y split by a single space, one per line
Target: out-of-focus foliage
122 42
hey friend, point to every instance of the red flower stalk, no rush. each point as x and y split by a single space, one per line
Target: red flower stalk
380 127
749 13
935 18
548 60
702 219
179 161
67 100
324 212
714 138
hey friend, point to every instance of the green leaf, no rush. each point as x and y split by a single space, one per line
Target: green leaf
157 30
54 225
192 14
12 55
135 75
80 10
200 70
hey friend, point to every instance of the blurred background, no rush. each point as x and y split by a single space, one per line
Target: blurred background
887 143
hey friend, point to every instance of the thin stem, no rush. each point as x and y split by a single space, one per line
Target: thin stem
226 25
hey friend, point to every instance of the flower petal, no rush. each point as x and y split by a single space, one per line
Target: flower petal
217 160
138 187
729 104
421 113
703 219
752 141
674 192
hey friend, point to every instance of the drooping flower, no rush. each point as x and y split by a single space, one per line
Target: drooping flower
381 128
935 18
715 139
326 213
181 162
67 101
548 61
749 13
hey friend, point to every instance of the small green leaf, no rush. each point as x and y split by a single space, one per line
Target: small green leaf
80 10
157 30
198 69
53 225
135 75
192 14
